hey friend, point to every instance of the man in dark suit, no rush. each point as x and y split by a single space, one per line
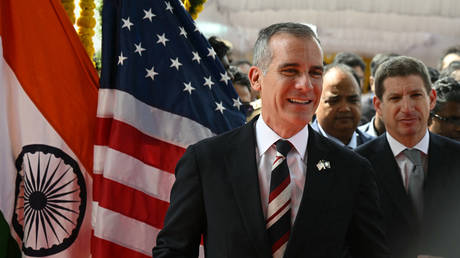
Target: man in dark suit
417 171
274 187
339 109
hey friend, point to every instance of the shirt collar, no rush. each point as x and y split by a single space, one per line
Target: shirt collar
397 147
353 143
266 137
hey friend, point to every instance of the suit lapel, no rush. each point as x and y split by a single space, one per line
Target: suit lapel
245 183
388 172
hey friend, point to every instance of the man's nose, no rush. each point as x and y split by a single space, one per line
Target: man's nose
304 82
406 104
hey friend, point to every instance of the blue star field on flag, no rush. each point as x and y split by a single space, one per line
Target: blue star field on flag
154 51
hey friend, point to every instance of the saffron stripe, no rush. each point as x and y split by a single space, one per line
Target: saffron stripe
125 200
129 140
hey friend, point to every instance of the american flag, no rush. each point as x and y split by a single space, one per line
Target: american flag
162 89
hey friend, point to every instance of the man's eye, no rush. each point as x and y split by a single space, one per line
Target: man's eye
417 95
331 101
316 74
394 98
289 72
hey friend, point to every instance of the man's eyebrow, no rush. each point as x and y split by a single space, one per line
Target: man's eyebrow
288 65
318 67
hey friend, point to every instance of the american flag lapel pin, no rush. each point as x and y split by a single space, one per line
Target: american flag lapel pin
323 164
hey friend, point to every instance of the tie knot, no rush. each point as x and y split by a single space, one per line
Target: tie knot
414 156
283 147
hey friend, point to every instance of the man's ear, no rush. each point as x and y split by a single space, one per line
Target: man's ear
377 105
432 97
255 77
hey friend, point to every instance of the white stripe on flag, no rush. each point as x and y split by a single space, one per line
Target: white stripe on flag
120 105
134 173
128 232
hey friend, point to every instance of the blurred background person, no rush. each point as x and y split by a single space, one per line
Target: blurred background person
339 109
372 123
222 49
452 70
451 54
355 62
243 66
445 116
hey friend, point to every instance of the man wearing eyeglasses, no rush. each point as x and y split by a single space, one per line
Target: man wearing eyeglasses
417 171
445 116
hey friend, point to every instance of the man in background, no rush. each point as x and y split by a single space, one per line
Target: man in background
355 62
339 110
417 171
445 116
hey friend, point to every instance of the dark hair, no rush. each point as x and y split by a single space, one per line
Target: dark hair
452 67
401 66
379 59
219 46
434 74
242 79
349 59
448 51
447 90
262 52
344 68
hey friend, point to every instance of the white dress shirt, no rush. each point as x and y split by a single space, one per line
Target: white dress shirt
352 144
296 160
404 163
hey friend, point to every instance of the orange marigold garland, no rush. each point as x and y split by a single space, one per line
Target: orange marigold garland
69 7
194 7
86 24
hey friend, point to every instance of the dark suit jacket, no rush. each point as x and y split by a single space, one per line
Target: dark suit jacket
438 232
216 194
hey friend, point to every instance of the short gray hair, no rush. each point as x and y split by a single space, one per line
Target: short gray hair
262 52
401 66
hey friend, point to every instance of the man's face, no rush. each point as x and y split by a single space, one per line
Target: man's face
340 108
291 87
405 107
449 59
451 111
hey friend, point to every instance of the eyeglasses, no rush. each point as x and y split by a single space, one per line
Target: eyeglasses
450 120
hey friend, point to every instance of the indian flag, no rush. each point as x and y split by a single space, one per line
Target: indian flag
48 99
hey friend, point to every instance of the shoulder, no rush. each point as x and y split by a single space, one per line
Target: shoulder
371 146
444 143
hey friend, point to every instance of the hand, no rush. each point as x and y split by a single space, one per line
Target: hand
427 256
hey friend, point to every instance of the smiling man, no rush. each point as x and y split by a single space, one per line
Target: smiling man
339 110
417 171
274 187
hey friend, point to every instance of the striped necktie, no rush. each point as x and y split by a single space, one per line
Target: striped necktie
279 201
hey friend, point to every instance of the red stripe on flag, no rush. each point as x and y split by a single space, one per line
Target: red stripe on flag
108 249
129 140
129 202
